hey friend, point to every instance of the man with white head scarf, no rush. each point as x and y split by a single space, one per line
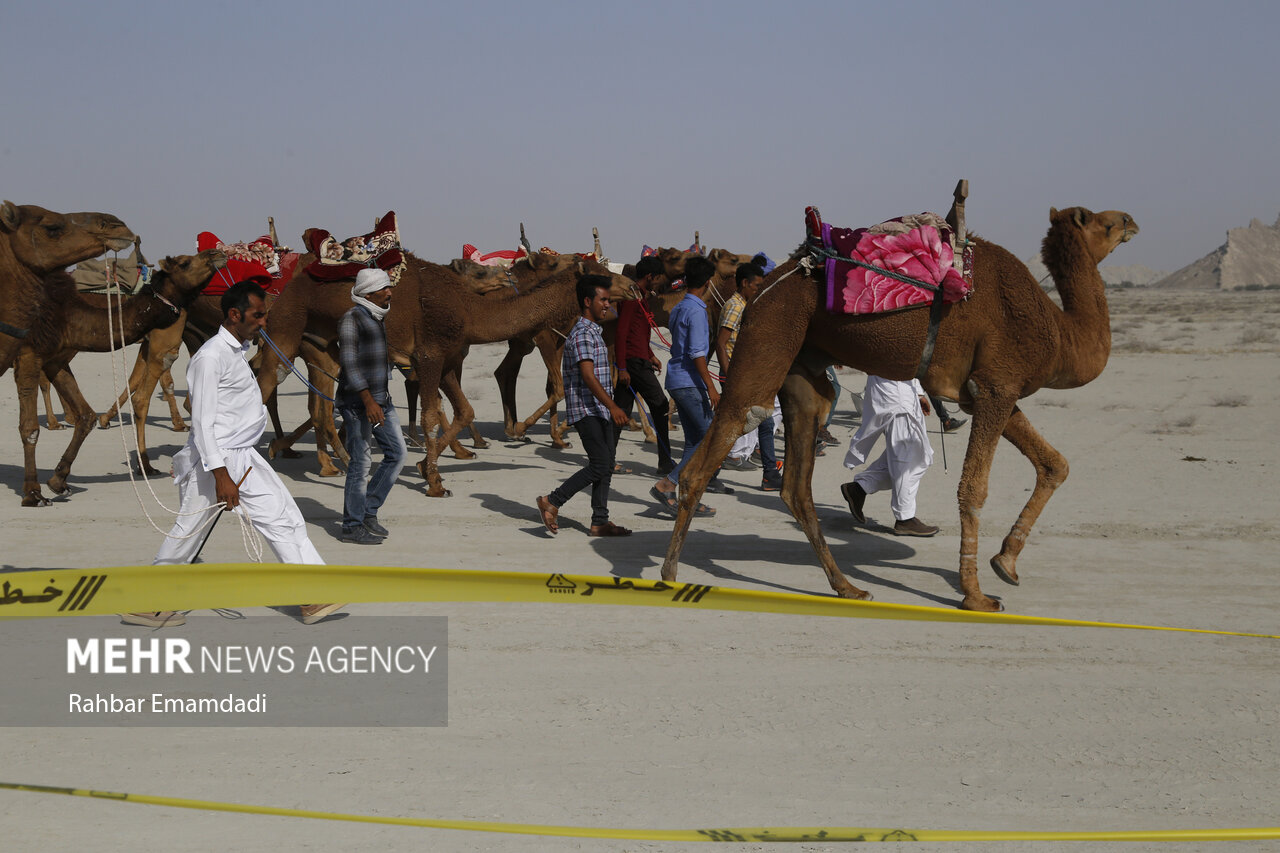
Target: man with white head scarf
895 410
364 402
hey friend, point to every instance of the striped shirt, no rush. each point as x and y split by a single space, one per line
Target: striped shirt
731 319
585 343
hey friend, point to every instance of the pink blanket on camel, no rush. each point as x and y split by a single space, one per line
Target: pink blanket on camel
917 247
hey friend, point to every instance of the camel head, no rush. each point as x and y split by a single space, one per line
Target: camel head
480 278
181 278
727 262
1102 232
44 241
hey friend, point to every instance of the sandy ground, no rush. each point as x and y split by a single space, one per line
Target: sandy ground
632 717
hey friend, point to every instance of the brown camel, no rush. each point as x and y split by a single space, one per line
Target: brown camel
35 242
450 320
79 323
1003 343
308 309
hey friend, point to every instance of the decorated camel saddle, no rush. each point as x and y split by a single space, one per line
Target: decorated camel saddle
900 263
259 261
340 260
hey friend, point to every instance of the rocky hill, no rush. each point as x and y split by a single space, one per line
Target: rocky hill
1250 257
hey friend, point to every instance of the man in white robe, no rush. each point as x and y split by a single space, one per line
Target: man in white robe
220 462
895 410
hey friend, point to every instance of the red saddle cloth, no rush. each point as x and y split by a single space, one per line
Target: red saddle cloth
919 247
245 262
338 260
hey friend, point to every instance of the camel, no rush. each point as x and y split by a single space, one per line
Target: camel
310 310
78 323
35 242
1006 341
450 320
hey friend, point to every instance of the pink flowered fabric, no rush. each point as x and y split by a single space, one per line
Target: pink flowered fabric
920 253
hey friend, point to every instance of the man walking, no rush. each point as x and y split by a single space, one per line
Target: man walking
220 463
590 410
895 410
364 402
638 367
688 379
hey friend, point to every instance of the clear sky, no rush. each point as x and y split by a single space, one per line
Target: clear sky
648 120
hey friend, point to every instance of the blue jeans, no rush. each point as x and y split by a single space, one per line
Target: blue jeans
694 407
363 497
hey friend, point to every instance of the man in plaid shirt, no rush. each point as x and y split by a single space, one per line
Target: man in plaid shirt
589 410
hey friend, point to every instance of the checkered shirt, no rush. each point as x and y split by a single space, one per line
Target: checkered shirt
585 342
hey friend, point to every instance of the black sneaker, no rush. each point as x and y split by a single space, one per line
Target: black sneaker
359 536
771 484
371 524
719 488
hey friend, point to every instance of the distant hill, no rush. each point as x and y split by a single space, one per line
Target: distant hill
1250 257
1135 274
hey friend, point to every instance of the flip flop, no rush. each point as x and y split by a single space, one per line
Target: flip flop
608 529
619 468
667 499
548 512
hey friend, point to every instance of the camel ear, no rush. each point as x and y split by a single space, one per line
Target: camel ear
10 216
1081 216
1053 213
167 263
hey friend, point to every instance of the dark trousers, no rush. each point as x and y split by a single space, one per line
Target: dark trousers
644 382
597 436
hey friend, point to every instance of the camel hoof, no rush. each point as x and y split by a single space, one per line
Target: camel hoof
53 425
480 444
855 594
35 499
439 491
330 471
1006 573
562 445
463 453
650 439
981 604
104 422
180 427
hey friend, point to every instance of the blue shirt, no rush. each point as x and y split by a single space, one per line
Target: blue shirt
690 338
585 343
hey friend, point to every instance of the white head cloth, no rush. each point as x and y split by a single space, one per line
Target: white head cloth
370 281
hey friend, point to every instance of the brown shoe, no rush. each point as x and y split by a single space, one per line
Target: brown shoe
549 514
913 527
155 619
856 497
608 529
313 613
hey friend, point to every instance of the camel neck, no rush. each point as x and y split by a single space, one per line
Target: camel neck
1085 322
87 324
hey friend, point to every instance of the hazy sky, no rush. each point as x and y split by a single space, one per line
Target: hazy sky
647 120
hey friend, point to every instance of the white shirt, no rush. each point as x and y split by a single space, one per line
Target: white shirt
227 412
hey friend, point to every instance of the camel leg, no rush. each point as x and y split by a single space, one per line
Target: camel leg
477 440
83 423
411 391
136 375
992 407
428 370
51 421
26 375
805 398
1051 470
154 372
166 389
463 415
506 373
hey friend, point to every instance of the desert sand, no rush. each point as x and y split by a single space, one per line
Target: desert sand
655 718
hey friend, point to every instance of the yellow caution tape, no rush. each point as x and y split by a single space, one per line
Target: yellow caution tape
72 592
731 834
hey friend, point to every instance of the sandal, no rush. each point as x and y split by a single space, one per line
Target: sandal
608 529
619 468
549 513
704 511
667 499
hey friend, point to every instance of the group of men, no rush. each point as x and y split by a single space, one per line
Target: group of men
220 468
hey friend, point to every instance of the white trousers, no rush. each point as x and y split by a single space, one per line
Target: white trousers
889 471
263 496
